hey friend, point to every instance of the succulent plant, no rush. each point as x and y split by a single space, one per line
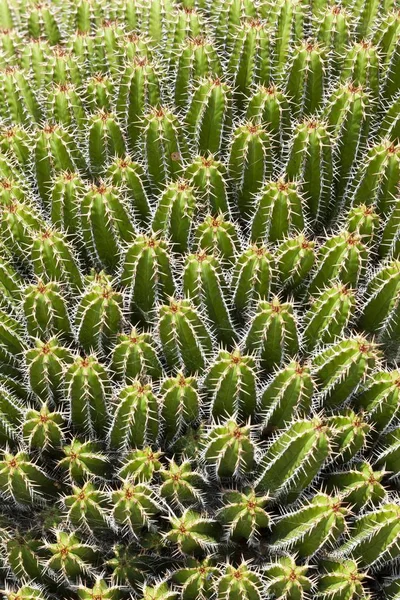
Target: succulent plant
199 299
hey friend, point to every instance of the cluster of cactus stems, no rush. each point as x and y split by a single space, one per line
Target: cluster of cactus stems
199 299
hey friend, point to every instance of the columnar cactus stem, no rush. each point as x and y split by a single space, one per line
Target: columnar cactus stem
250 60
347 115
180 404
135 420
380 313
208 177
131 178
252 277
135 355
341 367
147 274
87 386
359 486
174 214
165 146
328 315
279 212
307 442
219 235
306 78
342 578
209 115
139 89
106 224
46 365
229 450
286 579
99 314
203 282
195 59
184 336
244 515
68 189
270 106
343 257
272 335
231 385
250 162
314 525
311 159
288 394
295 259
381 524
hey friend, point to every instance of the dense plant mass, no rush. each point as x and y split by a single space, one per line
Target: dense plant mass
199 299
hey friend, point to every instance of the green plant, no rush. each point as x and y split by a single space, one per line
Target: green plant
199 299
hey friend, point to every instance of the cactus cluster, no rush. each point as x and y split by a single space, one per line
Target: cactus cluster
199 299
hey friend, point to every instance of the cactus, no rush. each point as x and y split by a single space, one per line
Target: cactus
147 274
46 312
239 582
99 314
307 443
208 176
343 257
315 524
106 224
23 480
165 146
379 398
378 524
180 484
42 429
141 465
208 115
134 505
230 385
328 315
380 311
135 420
70 555
295 259
244 515
285 579
131 178
203 282
84 460
196 579
229 450
174 215
87 507
273 333
252 278
134 355
46 364
288 394
388 454
360 486
219 235
350 434
342 578
199 299
250 162
342 366
192 533
87 387
279 212
311 159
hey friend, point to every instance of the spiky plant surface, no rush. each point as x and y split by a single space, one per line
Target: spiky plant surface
199 299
